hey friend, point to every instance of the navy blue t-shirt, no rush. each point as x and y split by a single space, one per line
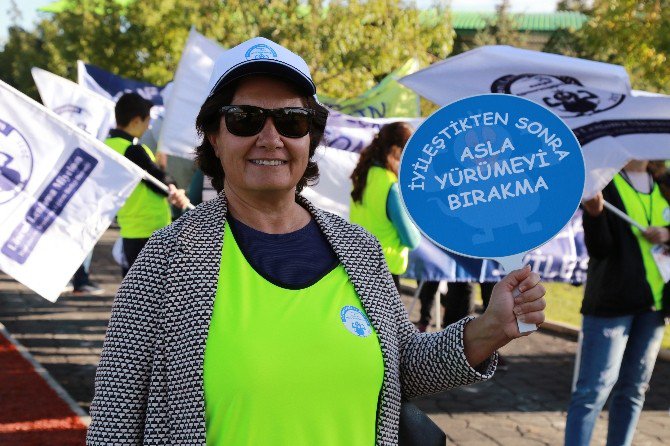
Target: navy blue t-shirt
294 260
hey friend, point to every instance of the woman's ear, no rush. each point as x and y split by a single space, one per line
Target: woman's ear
213 140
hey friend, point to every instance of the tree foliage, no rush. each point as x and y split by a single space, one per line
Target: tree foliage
632 33
501 29
349 45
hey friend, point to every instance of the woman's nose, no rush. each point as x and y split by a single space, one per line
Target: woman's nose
269 137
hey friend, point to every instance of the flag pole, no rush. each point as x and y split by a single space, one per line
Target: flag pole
162 186
623 215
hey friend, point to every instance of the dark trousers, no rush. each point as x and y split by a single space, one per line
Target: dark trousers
457 302
131 250
80 277
396 280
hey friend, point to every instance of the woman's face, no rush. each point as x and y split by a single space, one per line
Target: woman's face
266 162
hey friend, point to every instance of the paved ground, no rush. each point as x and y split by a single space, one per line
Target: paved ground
524 405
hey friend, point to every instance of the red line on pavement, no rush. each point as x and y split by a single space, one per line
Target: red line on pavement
32 413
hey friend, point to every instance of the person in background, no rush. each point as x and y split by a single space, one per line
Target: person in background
661 174
147 209
259 319
81 282
624 300
375 198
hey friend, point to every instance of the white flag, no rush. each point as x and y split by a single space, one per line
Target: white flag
506 69
59 190
189 90
613 123
84 108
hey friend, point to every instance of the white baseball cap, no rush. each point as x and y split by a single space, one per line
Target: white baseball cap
260 56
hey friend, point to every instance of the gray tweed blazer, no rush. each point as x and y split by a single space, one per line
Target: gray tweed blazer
149 382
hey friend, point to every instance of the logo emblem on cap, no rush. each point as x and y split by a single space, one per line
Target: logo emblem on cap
260 51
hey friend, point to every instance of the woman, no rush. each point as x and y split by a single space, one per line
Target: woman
624 300
259 319
375 199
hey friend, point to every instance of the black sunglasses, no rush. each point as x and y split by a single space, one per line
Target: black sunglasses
248 120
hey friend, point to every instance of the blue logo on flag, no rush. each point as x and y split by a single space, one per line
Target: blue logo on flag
260 51
16 162
492 176
75 114
356 321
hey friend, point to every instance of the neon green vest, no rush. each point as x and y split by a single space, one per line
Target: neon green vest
639 207
371 214
289 367
144 211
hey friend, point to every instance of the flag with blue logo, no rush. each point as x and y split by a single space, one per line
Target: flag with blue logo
59 190
595 99
84 108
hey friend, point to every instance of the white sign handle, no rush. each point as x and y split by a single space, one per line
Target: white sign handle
509 264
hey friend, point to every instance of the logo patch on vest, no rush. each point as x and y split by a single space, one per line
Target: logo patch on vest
666 214
356 321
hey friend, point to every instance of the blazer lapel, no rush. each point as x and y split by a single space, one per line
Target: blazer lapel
193 278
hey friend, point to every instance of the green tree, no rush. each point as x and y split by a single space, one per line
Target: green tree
501 29
632 33
583 6
349 45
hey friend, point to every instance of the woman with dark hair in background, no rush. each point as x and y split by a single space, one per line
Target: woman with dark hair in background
375 198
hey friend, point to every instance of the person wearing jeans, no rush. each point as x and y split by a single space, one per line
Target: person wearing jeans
617 356
624 299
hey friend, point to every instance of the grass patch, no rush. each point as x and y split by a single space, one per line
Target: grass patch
564 302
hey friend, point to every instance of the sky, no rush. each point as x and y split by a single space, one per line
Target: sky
30 15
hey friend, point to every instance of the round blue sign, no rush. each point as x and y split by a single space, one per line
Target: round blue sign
492 176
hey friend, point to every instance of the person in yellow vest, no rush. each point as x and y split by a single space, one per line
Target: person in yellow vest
375 198
259 319
147 209
624 303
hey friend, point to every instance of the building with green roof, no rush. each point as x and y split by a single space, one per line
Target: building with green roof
537 27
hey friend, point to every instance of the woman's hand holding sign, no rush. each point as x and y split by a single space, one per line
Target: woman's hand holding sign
518 295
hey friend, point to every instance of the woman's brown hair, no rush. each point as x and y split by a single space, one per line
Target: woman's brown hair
208 122
393 134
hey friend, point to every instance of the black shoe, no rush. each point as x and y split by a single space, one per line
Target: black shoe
89 289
